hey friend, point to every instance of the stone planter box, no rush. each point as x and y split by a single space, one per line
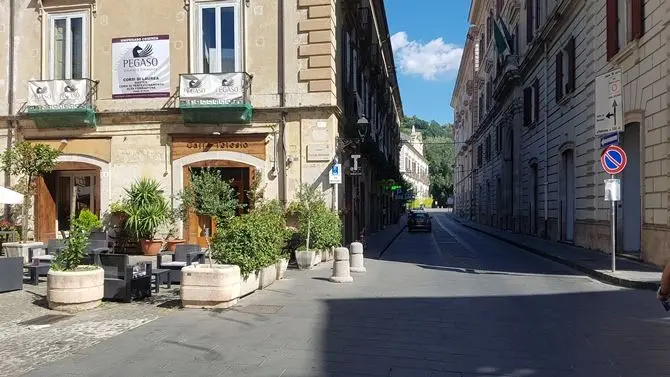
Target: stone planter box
281 266
73 291
203 286
20 249
268 275
318 254
306 259
250 284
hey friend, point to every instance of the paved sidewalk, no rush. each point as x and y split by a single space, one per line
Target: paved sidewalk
377 243
629 273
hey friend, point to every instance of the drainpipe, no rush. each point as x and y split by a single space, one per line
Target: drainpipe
10 95
546 147
281 89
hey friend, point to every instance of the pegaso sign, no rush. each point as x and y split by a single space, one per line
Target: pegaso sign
212 89
58 94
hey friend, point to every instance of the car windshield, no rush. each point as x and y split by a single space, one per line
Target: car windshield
420 216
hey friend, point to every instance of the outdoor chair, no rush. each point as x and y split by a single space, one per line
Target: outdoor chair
184 255
11 274
123 282
53 247
97 247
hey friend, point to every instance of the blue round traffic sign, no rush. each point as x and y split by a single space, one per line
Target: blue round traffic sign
613 160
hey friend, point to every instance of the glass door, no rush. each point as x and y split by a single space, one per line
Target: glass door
76 192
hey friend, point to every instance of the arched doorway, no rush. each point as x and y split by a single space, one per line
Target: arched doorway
630 213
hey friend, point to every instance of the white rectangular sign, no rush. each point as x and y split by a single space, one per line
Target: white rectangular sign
335 174
212 88
58 94
609 103
612 190
141 67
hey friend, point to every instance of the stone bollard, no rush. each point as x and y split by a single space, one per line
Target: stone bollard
341 272
357 260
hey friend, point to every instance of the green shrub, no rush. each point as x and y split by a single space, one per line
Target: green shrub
146 208
210 195
252 241
76 246
89 220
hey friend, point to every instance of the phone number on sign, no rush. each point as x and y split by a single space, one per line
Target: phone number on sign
222 145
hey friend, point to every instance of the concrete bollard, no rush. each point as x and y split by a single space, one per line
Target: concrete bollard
357 260
341 273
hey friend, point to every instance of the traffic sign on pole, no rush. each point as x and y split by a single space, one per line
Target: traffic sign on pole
335 175
613 160
609 103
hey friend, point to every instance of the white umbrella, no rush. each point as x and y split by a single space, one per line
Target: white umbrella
8 196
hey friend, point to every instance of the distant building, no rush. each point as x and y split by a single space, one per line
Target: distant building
413 165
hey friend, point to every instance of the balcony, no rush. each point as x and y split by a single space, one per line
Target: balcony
507 75
62 103
215 98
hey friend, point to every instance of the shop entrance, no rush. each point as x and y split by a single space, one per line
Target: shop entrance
64 193
237 174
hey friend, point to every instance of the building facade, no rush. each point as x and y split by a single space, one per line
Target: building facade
128 89
413 165
537 159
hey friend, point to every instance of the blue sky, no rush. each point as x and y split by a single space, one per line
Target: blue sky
428 37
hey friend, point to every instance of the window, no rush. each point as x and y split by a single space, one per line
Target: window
498 139
488 147
531 103
479 155
565 70
218 38
489 27
68 49
489 94
625 23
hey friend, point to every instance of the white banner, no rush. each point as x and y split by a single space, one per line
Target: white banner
141 67
58 94
213 88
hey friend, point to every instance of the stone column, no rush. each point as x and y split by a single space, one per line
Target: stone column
341 272
357 259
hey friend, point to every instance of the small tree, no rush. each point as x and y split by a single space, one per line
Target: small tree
28 161
305 207
76 246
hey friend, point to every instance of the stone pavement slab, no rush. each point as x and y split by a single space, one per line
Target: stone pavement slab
629 273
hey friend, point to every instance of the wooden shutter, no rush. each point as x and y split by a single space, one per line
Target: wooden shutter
637 18
529 20
611 15
559 76
526 106
571 66
536 98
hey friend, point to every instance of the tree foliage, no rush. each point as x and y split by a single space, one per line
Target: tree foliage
439 151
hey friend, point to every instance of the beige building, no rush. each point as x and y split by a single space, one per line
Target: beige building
533 153
156 88
413 164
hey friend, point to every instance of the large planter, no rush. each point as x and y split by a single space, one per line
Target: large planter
250 284
205 286
281 266
171 245
73 291
318 254
324 255
20 249
268 275
305 259
151 247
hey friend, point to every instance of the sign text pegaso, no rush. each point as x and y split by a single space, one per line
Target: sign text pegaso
212 89
141 67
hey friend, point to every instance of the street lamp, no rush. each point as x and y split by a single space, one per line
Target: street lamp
362 128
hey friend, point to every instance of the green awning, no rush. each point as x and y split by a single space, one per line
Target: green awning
215 114
63 118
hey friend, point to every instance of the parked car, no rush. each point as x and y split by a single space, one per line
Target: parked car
419 220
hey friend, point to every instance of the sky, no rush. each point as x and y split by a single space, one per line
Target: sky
427 38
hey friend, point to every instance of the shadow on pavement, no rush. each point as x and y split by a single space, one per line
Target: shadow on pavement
616 333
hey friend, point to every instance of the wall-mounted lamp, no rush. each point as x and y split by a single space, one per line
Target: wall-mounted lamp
63 141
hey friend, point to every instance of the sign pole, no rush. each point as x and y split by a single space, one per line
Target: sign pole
336 196
613 234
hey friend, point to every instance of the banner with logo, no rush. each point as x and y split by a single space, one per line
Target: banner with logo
58 94
212 88
141 67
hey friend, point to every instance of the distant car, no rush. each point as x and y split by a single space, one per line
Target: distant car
419 220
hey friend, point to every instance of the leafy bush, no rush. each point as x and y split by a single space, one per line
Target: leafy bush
76 246
210 195
317 224
252 241
147 209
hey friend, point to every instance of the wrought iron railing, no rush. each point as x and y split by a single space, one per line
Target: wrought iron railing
61 95
214 89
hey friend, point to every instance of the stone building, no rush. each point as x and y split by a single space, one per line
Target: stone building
536 164
413 164
157 88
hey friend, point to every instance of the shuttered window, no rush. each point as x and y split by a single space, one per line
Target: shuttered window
625 23
566 70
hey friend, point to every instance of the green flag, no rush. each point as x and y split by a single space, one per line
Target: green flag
501 42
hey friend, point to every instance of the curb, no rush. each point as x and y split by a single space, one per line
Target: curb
602 277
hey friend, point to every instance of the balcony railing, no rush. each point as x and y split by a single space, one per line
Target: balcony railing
62 103
508 72
215 97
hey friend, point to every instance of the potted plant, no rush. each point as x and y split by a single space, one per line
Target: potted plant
171 239
147 210
305 208
71 286
27 162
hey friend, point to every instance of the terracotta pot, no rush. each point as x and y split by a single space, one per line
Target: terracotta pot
172 244
151 247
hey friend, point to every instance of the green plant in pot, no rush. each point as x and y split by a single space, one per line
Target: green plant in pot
307 207
147 211
172 239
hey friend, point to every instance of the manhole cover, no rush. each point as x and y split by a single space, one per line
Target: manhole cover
45 320
260 309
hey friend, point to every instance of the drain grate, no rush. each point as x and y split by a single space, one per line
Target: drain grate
45 320
260 309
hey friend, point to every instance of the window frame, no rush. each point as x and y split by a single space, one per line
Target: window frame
85 53
197 34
